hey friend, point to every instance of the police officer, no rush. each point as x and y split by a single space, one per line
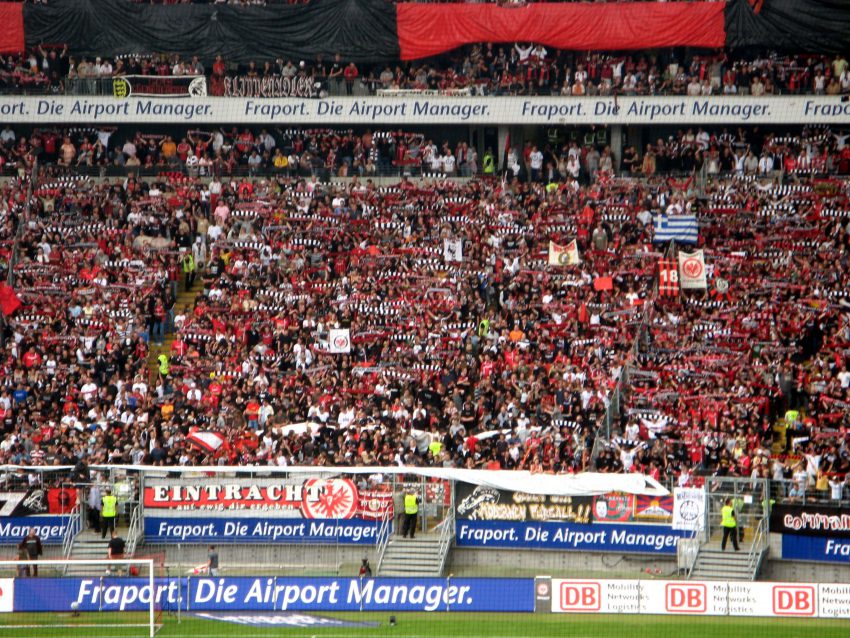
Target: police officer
108 512
411 510
729 524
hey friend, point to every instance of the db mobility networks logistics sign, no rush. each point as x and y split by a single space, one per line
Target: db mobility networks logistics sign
487 517
426 109
262 510
710 598
274 594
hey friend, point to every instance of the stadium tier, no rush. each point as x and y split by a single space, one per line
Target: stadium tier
340 317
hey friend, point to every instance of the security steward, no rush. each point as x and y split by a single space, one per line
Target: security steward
108 512
411 511
729 524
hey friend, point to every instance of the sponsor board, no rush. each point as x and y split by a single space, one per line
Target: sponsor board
612 537
282 620
480 503
276 594
311 498
51 529
710 598
815 548
125 86
7 595
426 109
260 530
810 520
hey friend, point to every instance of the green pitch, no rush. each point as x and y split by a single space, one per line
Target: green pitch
429 625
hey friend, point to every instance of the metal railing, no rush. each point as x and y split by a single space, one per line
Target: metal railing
757 548
447 533
74 527
135 530
385 531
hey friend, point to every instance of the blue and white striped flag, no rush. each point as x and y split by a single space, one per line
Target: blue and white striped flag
680 228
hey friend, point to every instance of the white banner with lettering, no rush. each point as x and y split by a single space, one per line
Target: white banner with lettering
689 508
427 109
709 598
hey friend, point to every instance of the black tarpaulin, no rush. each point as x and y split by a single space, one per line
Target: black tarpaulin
799 26
359 30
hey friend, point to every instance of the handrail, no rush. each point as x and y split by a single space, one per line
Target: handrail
756 553
74 527
134 532
384 534
447 532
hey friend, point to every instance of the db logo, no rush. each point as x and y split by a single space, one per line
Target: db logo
581 597
685 599
793 600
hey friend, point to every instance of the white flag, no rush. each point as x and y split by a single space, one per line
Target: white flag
452 250
563 255
689 508
339 341
692 270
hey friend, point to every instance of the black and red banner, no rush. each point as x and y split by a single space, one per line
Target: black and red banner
377 30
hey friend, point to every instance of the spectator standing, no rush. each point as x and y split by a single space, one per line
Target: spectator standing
212 561
94 506
32 545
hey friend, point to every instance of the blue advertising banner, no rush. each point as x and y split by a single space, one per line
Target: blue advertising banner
277 594
260 530
652 539
819 548
51 529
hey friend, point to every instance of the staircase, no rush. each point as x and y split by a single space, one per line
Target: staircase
185 297
712 563
420 556
89 546
424 555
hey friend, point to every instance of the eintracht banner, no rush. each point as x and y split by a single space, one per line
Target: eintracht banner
563 255
339 341
692 270
689 508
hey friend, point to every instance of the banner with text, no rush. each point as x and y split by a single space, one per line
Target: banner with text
209 529
712 598
810 520
426 109
311 498
611 537
480 503
51 529
815 548
125 86
275 594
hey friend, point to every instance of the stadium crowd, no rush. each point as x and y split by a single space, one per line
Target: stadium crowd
485 69
467 347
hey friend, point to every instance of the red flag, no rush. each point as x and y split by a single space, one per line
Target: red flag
603 283
9 301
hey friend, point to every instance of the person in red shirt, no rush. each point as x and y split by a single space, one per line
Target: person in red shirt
350 74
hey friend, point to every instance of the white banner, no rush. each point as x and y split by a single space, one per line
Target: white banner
427 109
709 598
689 508
692 270
339 341
452 250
